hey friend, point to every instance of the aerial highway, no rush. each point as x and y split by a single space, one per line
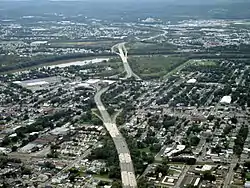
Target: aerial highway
126 164
156 36
123 53
230 173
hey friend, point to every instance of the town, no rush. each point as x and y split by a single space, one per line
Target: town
86 102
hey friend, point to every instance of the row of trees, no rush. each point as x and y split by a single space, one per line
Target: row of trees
139 157
40 124
39 60
240 140
109 154
89 117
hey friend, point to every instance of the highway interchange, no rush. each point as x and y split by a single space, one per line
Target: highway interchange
123 53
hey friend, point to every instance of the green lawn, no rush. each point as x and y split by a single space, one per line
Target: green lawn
103 177
248 176
150 47
147 150
207 63
157 66
82 43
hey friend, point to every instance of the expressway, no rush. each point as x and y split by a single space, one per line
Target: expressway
123 53
230 174
126 164
156 36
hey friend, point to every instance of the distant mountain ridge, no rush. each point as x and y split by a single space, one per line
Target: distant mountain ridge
129 10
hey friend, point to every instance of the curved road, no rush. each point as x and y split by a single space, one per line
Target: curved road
126 164
123 53
156 36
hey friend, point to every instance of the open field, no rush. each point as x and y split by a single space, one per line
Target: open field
82 43
157 66
150 47
248 176
113 68
204 62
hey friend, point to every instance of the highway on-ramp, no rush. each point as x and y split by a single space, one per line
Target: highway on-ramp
126 164
123 53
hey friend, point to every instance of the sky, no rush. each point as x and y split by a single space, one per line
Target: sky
186 2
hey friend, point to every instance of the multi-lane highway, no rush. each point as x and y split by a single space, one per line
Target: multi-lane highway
123 53
230 173
126 164
163 34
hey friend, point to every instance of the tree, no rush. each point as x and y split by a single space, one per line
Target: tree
162 169
237 150
73 174
6 141
25 117
54 147
236 167
210 118
102 183
234 120
8 119
114 172
240 139
49 165
14 148
143 183
117 184
155 148
25 171
208 176
53 154
194 141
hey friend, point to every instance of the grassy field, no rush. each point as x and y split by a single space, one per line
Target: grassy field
146 150
140 47
156 66
104 177
248 176
206 63
82 43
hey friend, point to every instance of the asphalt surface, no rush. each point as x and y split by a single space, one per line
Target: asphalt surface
230 173
69 166
182 176
123 53
126 164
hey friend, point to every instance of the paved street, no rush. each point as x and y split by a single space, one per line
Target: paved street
69 166
230 173
126 164
181 178
123 53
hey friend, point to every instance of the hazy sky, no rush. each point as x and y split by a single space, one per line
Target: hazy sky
143 1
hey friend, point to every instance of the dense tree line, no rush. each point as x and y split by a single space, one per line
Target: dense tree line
189 161
109 154
240 140
140 158
39 125
19 64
